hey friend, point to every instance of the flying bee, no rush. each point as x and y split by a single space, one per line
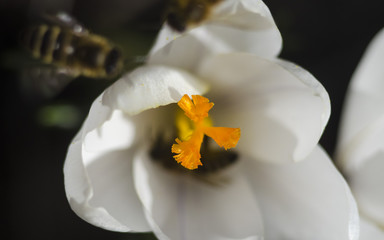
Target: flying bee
182 14
64 44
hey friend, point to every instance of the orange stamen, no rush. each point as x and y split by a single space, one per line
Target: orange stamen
196 111
223 136
188 151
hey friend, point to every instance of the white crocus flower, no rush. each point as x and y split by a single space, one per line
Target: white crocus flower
361 143
277 183
113 180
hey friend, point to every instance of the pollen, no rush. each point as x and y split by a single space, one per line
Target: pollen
193 125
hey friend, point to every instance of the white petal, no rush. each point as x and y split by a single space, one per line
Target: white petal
367 186
369 231
118 132
364 103
98 181
235 25
98 114
281 108
183 207
360 149
305 200
150 87
102 130
366 143
107 129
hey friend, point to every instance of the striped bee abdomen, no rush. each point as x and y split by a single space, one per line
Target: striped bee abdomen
78 53
42 41
60 43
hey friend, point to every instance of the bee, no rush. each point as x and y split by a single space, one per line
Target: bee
182 14
67 46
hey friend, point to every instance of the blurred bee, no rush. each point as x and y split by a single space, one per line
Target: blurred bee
182 14
71 50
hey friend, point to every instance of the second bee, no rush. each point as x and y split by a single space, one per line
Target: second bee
68 45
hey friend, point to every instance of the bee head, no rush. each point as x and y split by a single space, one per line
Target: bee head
113 62
183 14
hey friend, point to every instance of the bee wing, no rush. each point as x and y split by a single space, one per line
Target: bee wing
65 20
45 81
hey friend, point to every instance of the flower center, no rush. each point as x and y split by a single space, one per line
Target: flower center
191 134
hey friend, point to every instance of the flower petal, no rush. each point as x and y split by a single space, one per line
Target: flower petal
362 128
98 114
98 182
118 132
306 200
282 106
235 25
367 186
150 87
360 149
183 206
365 94
369 231
107 129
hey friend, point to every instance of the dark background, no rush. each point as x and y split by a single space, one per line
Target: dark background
325 37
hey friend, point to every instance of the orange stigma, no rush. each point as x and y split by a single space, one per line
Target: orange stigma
192 133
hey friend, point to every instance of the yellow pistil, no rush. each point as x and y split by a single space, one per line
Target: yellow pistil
192 134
